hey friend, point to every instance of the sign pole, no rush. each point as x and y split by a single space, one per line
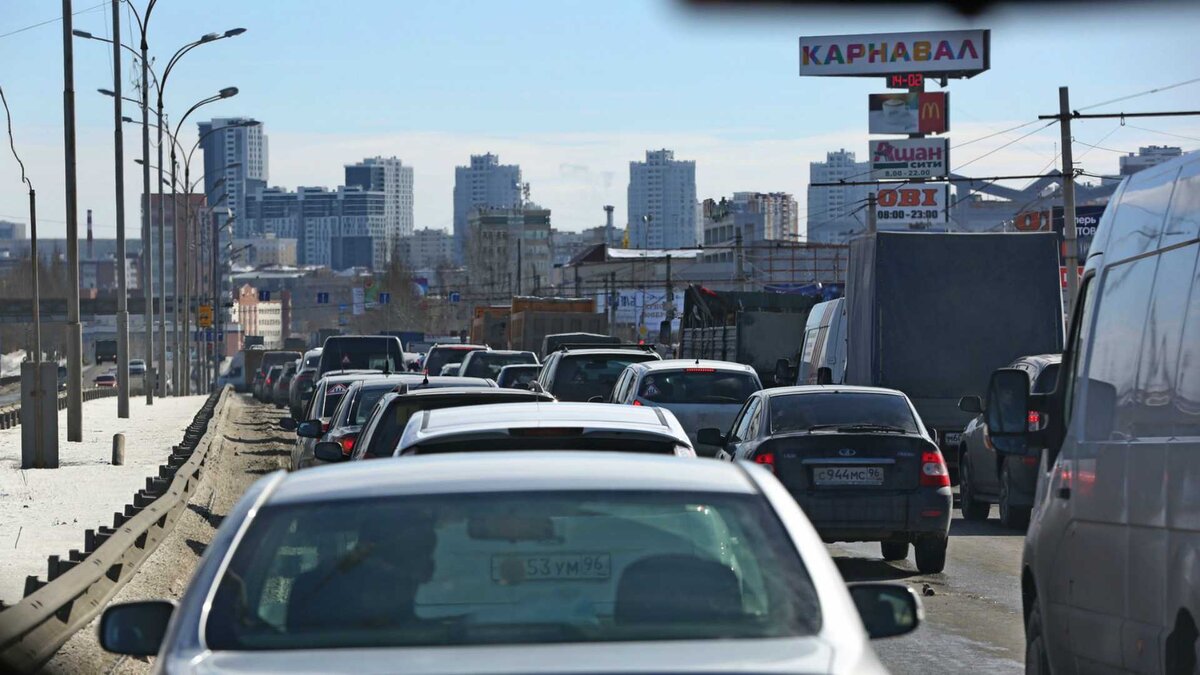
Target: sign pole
1070 259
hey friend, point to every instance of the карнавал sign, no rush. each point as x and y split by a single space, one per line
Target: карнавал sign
951 53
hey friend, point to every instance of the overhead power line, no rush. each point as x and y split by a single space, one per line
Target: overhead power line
50 21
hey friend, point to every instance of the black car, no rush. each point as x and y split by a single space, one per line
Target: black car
1009 480
361 352
517 376
488 363
585 374
439 356
381 431
858 460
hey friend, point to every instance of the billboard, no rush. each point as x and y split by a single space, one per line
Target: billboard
910 158
901 207
909 113
949 53
1087 219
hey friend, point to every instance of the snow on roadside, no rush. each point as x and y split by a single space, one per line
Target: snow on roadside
45 511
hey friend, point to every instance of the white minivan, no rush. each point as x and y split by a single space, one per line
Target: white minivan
824 345
1111 569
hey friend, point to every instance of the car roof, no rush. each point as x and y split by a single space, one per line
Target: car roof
681 364
831 389
457 346
510 472
497 392
607 351
506 352
1042 360
352 376
486 419
518 366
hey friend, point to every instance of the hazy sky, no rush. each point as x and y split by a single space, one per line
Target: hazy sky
572 90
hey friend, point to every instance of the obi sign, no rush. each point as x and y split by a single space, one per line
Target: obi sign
905 206
910 158
909 113
952 53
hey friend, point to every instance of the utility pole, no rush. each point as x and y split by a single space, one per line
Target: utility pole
119 176
1070 258
871 227
74 330
149 380
739 260
162 262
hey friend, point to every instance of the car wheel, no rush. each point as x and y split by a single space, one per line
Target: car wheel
1036 661
894 550
972 509
931 555
1014 517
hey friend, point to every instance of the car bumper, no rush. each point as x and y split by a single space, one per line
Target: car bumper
854 516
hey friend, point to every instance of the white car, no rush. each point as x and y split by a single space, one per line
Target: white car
507 562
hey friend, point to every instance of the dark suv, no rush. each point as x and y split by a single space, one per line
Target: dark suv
585 374
986 477
361 352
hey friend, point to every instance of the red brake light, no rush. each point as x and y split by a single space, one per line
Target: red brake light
699 370
636 402
1035 420
933 470
766 460
347 443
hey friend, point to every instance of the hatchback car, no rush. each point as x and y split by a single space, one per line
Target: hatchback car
858 460
475 564
488 363
699 393
583 374
988 477
381 431
546 426
517 377
441 354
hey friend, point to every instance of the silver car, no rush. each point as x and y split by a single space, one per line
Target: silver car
699 393
516 563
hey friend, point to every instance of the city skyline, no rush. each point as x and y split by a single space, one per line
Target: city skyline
574 126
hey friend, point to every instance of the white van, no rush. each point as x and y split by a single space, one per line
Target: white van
824 344
1111 569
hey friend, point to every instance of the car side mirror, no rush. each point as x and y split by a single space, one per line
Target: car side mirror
710 436
287 424
970 404
310 429
887 610
329 451
824 375
135 628
1007 411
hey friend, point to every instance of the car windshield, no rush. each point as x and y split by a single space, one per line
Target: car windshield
488 364
585 376
803 412
512 568
698 385
367 398
361 353
439 357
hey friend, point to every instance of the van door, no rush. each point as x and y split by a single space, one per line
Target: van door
1096 548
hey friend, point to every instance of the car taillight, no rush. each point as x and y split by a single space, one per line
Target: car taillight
933 470
1035 420
766 460
637 402
347 443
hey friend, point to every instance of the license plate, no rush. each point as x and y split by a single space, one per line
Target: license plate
953 438
848 475
507 569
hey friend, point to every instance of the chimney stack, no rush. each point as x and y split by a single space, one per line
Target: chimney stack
608 224
91 253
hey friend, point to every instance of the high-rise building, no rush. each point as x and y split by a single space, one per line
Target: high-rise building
834 213
10 230
193 215
389 176
1147 157
664 190
487 184
509 250
235 164
339 228
427 249
774 214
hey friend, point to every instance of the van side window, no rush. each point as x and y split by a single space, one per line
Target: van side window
1186 406
1158 367
1120 321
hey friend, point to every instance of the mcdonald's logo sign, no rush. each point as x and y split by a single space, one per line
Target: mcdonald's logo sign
933 112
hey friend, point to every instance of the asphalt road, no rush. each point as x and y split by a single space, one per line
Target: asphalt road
973 618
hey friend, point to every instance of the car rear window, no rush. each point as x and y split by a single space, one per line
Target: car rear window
517 375
590 442
585 376
488 364
440 356
512 568
802 412
698 385
312 361
361 353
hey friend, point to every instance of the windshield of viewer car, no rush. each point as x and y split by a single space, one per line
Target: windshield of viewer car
512 568
800 412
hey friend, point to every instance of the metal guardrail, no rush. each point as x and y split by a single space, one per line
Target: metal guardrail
78 588
10 415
